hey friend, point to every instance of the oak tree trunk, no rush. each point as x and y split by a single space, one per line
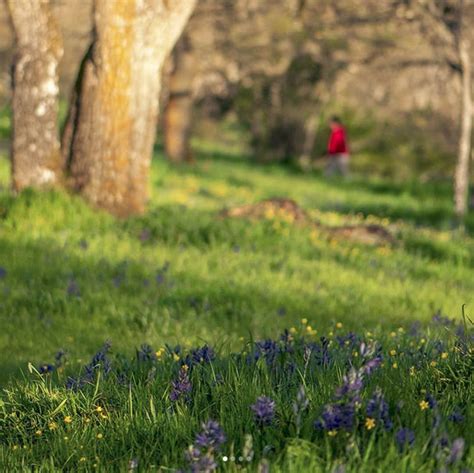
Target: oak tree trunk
461 177
179 108
35 150
111 127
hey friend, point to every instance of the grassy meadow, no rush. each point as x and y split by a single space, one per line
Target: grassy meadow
182 277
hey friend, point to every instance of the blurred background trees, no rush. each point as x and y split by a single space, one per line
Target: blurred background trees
397 71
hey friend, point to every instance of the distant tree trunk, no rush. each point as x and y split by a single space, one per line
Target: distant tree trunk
461 177
310 132
36 160
111 127
179 108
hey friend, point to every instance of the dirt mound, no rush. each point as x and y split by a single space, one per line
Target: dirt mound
288 209
268 208
365 234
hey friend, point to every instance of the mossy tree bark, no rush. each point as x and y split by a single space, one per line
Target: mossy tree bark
111 127
36 160
179 108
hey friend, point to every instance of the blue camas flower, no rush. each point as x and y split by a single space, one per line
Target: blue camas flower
404 438
181 387
264 410
212 435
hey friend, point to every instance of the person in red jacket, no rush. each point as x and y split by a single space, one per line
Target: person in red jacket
338 150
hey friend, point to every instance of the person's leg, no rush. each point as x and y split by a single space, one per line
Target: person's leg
331 166
344 164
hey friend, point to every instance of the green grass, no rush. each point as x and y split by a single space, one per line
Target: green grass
181 275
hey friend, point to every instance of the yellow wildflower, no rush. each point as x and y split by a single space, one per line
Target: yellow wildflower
175 357
304 321
433 364
99 409
412 371
395 365
339 325
53 426
39 432
332 433
424 405
100 435
444 355
68 419
393 352
369 423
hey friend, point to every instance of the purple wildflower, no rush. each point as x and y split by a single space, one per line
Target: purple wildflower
404 438
3 272
47 368
181 387
268 349
73 289
377 408
145 353
264 410
205 354
456 417
212 435
99 361
352 383
457 451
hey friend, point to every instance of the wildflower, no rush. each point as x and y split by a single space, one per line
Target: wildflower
412 371
369 423
159 354
393 352
293 330
44 369
176 357
204 354
339 325
332 433
52 426
73 289
404 438
98 409
457 451
39 433
444 355
424 405
456 417
304 321
3 272
395 365
82 459
393 334
264 410
300 404
212 435
181 387
67 419
433 364
377 409
145 353
100 435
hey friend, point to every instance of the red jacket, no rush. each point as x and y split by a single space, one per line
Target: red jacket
338 142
